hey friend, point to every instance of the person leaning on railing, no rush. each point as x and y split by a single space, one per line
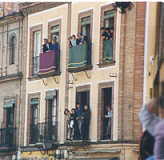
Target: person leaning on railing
46 45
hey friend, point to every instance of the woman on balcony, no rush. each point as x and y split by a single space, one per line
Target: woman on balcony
54 45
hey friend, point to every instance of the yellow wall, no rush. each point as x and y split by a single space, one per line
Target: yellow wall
96 75
151 67
57 82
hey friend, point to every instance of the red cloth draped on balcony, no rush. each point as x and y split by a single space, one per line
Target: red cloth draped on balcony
47 62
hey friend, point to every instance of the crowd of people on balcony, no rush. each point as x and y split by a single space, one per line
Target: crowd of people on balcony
107 33
77 40
50 46
78 122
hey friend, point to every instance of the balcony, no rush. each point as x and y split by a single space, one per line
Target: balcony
47 64
7 137
79 58
107 51
43 132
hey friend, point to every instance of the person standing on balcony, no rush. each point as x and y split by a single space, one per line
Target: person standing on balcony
69 126
73 40
54 45
86 123
79 39
104 33
108 117
79 119
46 45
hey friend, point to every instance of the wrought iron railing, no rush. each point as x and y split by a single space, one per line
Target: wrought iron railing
43 132
7 137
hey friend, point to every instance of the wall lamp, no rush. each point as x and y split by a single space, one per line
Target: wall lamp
124 6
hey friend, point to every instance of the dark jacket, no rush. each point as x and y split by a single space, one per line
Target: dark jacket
46 47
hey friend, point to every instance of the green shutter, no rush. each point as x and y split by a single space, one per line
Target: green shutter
109 14
9 103
50 94
85 21
34 101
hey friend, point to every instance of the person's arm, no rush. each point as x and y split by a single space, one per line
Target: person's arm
148 118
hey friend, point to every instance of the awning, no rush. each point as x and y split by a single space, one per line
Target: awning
34 101
109 14
9 103
51 94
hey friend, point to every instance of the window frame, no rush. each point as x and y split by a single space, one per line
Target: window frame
31 53
101 108
103 10
52 24
84 15
12 49
31 96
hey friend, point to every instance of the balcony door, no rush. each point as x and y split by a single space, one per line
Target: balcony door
34 121
82 97
85 27
9 118
51 118
37 46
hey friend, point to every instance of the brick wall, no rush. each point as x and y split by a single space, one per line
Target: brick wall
131 72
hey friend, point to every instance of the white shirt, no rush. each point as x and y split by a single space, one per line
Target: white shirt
149 120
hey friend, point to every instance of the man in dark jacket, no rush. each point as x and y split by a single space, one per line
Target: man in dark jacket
46 45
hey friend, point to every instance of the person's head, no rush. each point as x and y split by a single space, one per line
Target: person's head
73 37
111 30
53 41
86 107
78 36
108 108
66 111
45 40
73 111
78 105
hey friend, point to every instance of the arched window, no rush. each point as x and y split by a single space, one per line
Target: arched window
12 49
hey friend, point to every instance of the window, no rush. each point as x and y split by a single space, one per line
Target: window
37 46
55 32
107 35
12 49
34 120
105 111
109 19
85 26
51 114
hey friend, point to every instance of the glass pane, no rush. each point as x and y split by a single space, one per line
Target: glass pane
54 29
37 40
54 111
85 21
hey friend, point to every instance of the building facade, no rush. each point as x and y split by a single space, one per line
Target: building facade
11 79
116 72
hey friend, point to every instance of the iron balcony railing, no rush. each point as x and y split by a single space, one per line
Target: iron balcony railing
43 132
7 137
